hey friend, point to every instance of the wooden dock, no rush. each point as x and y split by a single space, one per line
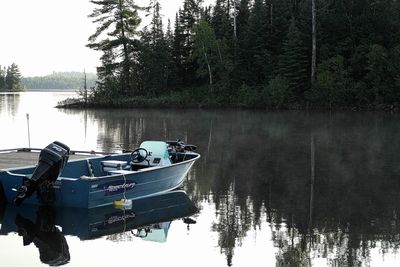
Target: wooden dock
27 157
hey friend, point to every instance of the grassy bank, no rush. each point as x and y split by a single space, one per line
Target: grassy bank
140 102
186 101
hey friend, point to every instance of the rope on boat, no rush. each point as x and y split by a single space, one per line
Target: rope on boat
90 167
72 152
124 194
123 203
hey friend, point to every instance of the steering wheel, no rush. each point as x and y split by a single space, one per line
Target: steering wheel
137 155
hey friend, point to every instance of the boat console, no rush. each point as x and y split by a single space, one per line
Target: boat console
149 154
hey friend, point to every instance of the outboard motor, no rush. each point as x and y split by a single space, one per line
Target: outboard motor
52 160
181 146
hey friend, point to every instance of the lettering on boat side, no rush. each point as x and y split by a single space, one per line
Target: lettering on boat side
116 187
120 217
113 188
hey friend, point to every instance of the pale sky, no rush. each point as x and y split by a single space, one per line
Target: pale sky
42 36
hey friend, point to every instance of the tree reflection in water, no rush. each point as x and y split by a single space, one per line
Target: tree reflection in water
255 166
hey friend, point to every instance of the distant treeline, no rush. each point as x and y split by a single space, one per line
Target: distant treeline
60 80
260 53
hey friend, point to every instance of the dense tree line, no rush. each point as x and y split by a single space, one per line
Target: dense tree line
260 53
10 79
60 80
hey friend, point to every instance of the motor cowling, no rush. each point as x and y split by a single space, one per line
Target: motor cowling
181 146
52 160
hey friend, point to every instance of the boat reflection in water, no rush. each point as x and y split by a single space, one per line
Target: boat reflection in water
149 219
45 235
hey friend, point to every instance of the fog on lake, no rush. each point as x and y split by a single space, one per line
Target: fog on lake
277 188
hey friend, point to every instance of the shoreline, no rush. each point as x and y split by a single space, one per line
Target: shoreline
161 103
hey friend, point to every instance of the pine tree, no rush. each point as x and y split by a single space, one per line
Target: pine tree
242 53
220 20
293 62
188 16
153 55
170 67
257 38
107 81
225 41
13 79
157 32
313 42
206 14
242 19
279 14
119 19
2 78
177 51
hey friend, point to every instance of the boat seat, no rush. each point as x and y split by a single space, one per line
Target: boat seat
112 165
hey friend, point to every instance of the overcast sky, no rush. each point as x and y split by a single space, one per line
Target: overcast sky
42 36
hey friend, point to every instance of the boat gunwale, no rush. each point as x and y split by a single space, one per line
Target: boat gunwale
94 178
71 152
34 166
90 155
144 170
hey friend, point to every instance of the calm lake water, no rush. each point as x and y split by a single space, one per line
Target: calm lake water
261 198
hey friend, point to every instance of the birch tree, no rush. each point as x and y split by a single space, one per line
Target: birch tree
204 45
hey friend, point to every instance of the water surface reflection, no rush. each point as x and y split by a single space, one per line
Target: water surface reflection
148 219
258 165
9 103
254 178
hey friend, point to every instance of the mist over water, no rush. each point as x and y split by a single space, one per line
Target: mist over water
253 184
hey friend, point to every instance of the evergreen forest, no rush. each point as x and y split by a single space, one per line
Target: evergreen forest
10 79
253 54
60 80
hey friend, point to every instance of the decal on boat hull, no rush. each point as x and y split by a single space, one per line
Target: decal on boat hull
116 187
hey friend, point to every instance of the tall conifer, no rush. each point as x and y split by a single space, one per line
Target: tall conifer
13 79
293 63
119 20
153 55
2 78
257 39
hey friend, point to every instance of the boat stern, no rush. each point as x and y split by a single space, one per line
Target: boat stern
3 198
9 181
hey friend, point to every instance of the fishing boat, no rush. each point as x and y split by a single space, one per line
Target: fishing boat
153 168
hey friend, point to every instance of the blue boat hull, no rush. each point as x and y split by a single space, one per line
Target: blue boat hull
74 188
